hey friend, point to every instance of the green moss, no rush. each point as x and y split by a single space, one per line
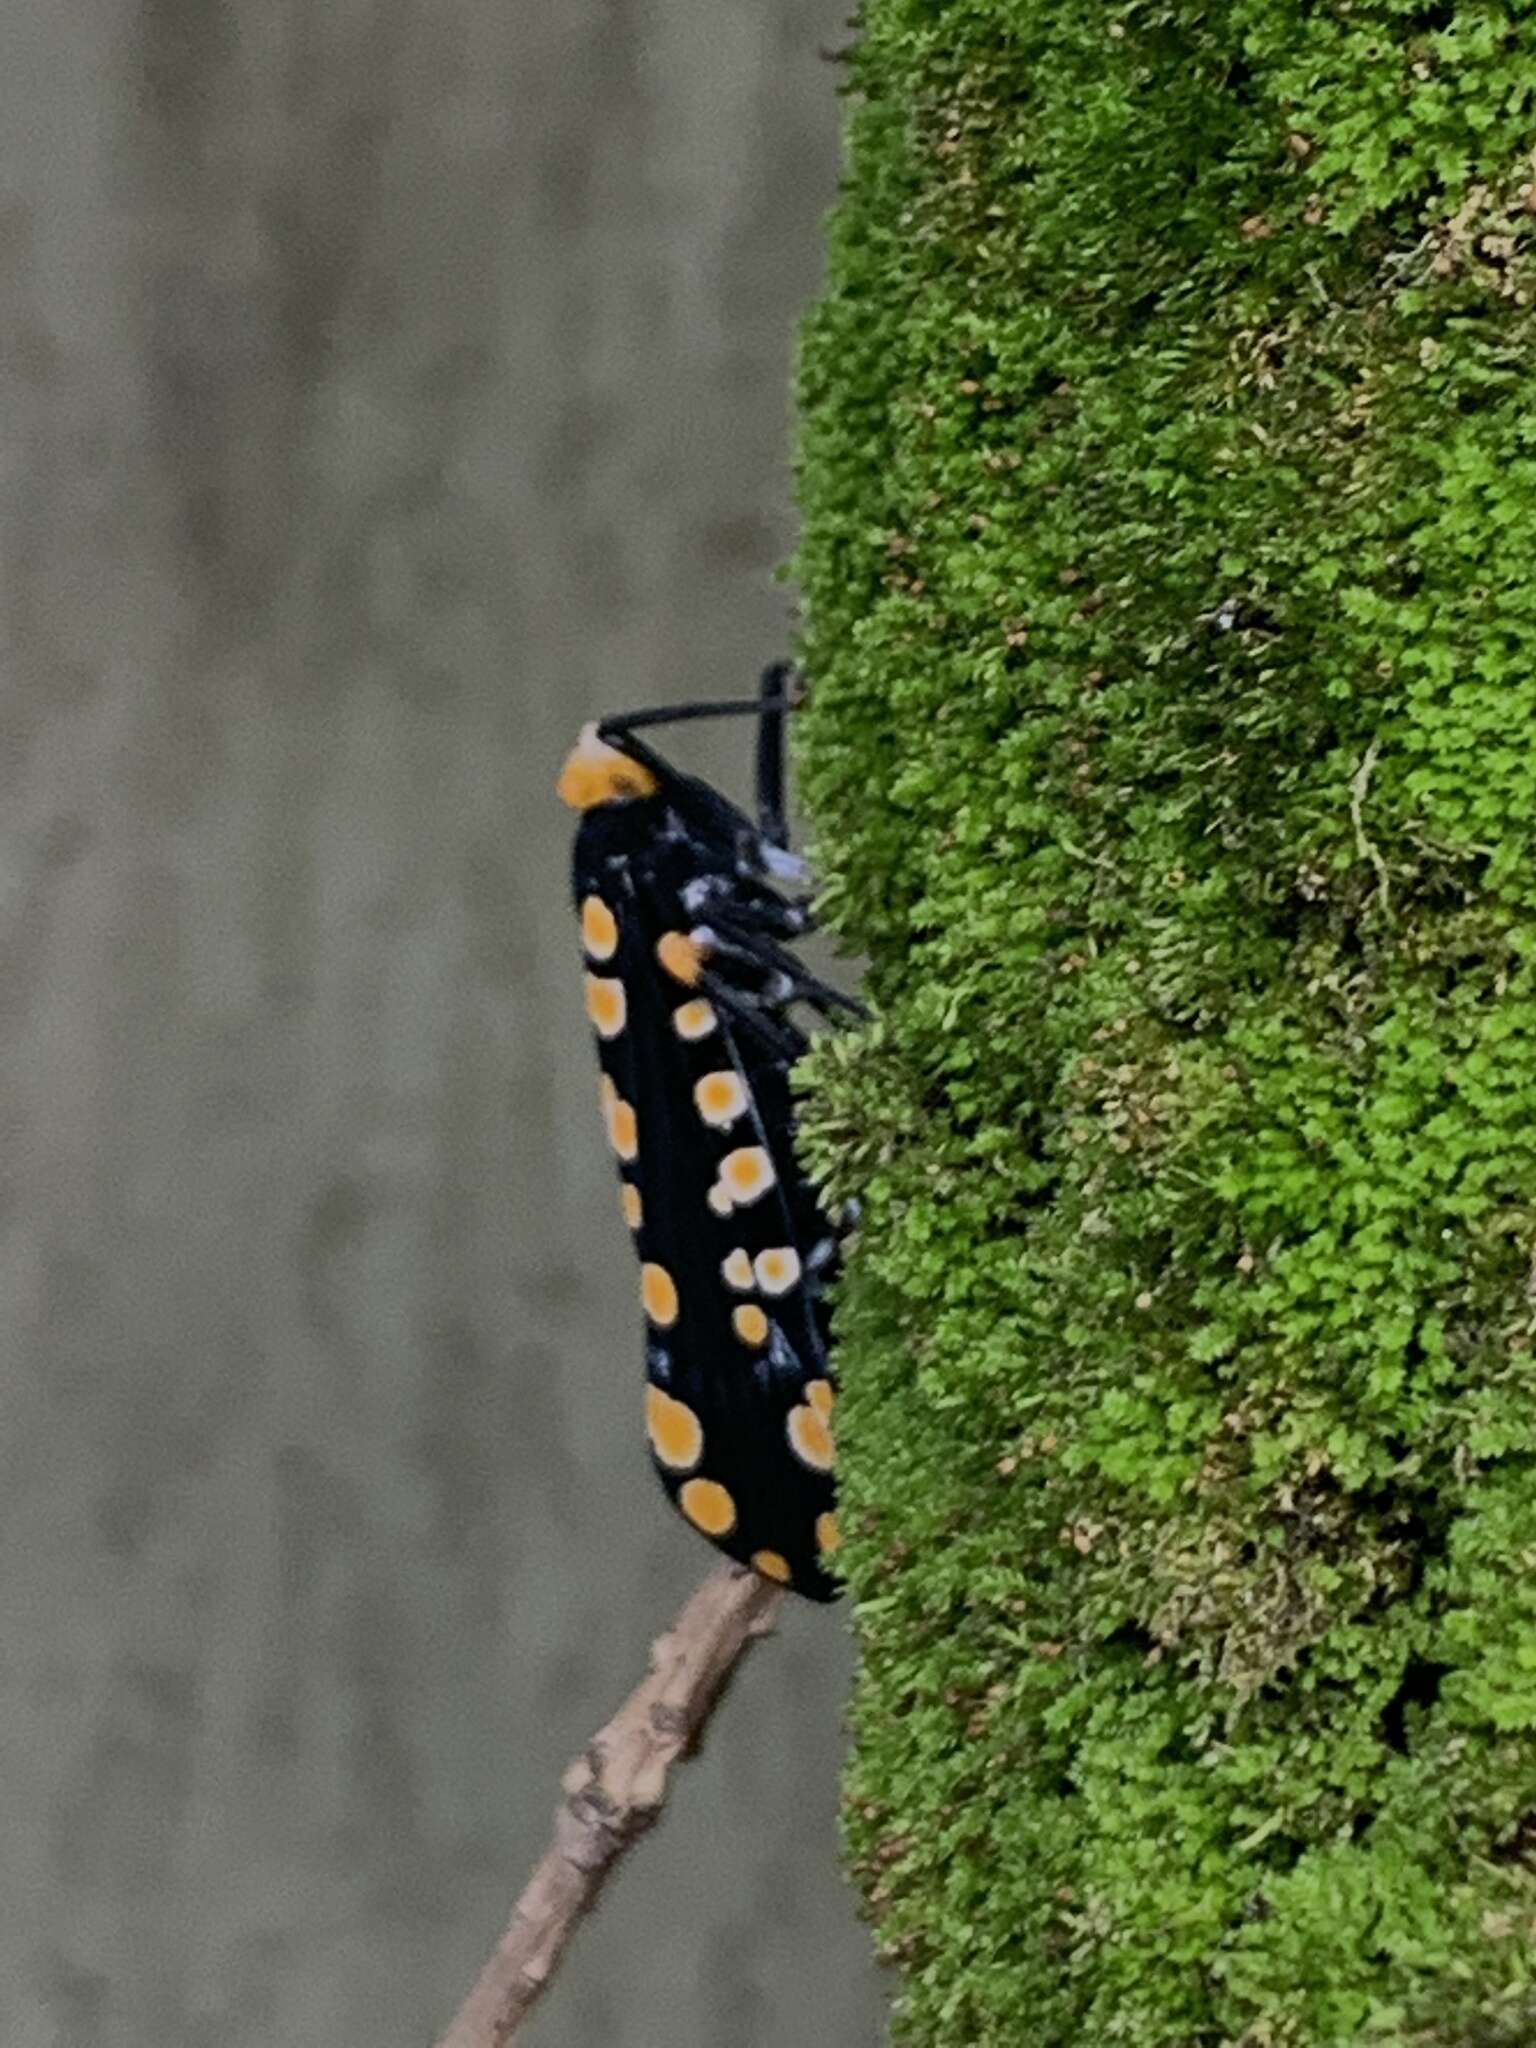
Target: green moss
1169 477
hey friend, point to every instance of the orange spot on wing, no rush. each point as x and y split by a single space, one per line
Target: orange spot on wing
623 1127
747 1173
599 928
820 1394
810 1439
682 957
737 1270
676 1434
605 1005
694 1020
750 1324
708 1506
828 1536
629 1201
771 1565
659 1293
720 1099
777 1269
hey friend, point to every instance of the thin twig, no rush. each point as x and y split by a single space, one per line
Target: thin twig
613 1794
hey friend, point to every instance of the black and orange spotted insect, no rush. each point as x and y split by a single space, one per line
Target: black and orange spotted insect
690 985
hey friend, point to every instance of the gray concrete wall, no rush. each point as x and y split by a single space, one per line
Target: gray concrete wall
385 386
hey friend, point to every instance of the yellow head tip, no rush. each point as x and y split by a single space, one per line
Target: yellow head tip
595 773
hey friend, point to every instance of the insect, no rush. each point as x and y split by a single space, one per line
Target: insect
687 918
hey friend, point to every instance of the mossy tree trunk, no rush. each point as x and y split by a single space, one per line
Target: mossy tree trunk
1169 472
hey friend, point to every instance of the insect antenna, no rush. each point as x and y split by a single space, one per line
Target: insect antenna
776 693
779 691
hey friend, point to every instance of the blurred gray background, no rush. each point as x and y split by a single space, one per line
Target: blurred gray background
385 387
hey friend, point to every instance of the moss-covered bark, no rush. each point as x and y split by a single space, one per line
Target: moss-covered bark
1169 473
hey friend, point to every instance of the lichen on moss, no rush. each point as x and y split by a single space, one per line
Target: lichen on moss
1169 478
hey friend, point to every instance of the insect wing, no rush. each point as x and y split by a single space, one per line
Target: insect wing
739 1398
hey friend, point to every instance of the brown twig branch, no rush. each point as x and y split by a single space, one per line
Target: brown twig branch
613 1794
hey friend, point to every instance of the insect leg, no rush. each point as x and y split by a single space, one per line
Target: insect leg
786 979
822 996
721 897
731 937
762 1017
